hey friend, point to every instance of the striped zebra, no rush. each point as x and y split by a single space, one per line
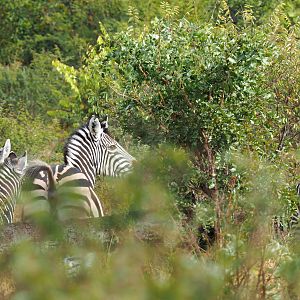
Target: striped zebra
11 171
89 152
93 151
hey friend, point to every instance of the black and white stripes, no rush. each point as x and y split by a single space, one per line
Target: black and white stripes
89 152
94 152
11 171
72 198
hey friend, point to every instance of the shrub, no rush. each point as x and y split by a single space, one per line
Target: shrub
42 140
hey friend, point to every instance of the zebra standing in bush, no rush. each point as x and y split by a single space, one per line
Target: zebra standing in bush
11 171
89 152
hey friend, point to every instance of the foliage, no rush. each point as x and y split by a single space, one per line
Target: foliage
212 99
284 69
209 89
31 134
30 27
39 87
36 26
220 86
218 80
249 264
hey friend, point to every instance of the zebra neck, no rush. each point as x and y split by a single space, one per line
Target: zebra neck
85 167
80 152
9 192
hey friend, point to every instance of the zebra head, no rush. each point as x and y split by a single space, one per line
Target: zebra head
5 150
17 165
104 124
94 152
11 171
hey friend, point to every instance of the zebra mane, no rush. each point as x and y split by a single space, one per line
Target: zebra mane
94 152
67 143
34 167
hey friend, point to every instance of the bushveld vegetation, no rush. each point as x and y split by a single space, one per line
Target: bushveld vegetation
205 94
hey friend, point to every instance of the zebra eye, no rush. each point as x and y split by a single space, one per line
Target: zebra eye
112 147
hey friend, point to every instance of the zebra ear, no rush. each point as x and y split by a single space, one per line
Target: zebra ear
21 164
95 127
12 155
4 152
104 124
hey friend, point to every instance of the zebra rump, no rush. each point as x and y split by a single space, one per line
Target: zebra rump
60 190
35 187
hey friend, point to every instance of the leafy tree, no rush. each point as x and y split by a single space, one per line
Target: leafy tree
37 26
27 133
208 89
37 88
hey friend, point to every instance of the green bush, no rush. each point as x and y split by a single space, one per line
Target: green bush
164 262
38 88
42 140
30 27
208 88
217 80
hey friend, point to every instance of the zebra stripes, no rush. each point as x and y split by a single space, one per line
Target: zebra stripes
298 189
11 170
72 198
94 152
89 152
35 187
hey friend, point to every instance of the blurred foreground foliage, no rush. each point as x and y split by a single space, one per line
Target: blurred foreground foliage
167 264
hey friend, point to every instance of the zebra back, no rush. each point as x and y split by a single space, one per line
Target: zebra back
11 172
76 198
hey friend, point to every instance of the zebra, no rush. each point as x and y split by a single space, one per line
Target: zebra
11 171
32 186
90 151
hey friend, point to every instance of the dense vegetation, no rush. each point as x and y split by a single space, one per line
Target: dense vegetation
206 95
